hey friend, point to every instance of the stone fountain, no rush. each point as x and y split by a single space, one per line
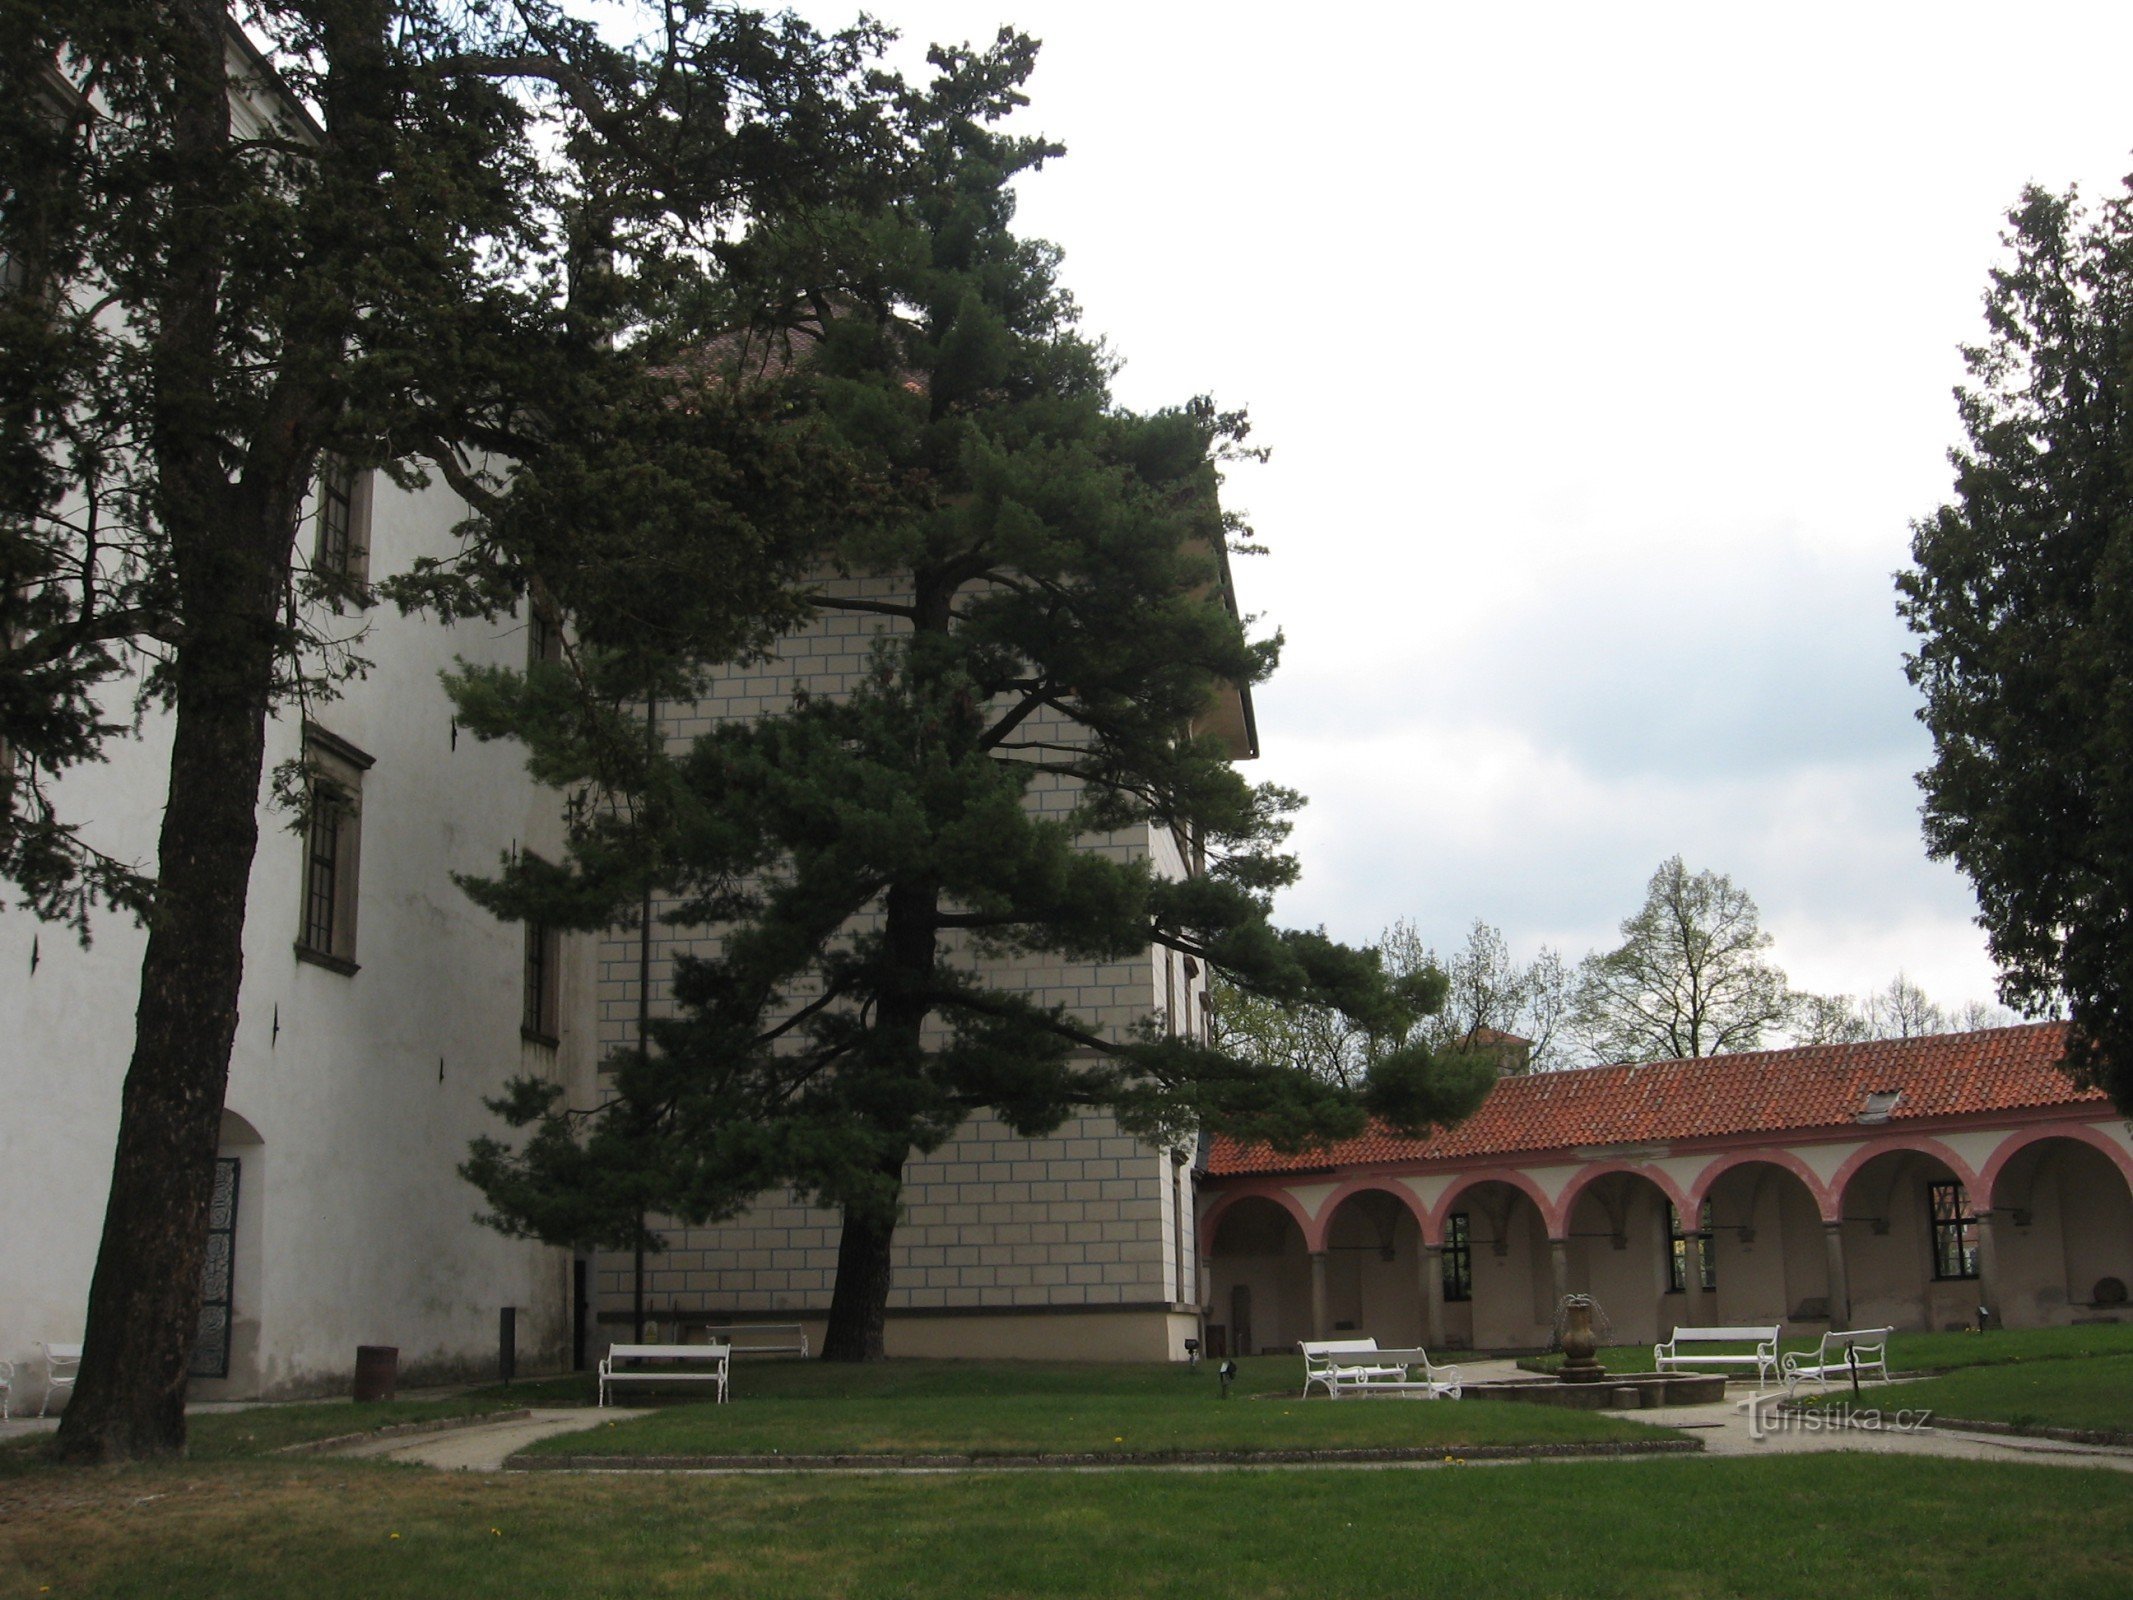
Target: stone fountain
1580 1339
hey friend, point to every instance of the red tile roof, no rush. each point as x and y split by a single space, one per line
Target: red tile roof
1764 1091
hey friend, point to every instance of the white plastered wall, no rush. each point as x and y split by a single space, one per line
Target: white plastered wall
353 1226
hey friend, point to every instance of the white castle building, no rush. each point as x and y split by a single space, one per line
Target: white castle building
1908 1182
379 1007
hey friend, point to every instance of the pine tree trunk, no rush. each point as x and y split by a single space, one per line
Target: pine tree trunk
144 1300
859 1308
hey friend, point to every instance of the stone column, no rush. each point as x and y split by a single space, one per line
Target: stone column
1433 1298
1988 1265
1559 1272
1840 1294
1693 1314
1320 1321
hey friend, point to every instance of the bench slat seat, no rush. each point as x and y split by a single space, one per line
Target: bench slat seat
673 1363
1359 1366
1670 1357
1838 1355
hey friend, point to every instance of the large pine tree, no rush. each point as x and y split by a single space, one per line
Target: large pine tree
425 238
1046 569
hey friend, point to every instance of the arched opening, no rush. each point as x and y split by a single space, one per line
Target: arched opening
226 1345
1262 1280
1374 1270
1910 1243
1498 1285
1619 1253
1768 1259
2062 1236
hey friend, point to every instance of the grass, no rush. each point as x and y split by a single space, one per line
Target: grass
1922 1352
2095 1393
1838 1527
261 1430
1020 1408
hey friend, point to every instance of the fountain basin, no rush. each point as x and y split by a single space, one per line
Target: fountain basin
1632 1391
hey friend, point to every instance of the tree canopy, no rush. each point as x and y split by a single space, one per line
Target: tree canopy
2021 595
1046 570
463 242
1689 979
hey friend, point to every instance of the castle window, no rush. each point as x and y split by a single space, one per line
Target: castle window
1677 1250
538 1019
1458 1257
1954 1231
326 929
342 553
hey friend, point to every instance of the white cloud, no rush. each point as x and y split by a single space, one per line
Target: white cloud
1606 355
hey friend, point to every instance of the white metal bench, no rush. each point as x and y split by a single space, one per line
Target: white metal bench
62 1364
1839 1355
1670 1357
1359 1366
670 1363
762 1338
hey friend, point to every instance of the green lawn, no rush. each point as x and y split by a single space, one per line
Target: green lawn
1836 1527
2095 1393
1019 1408
1924 1352
261 1430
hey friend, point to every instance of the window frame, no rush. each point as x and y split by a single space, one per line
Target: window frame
540 1010
333 819
1458 1251
1958 1228
348 565
1677 1266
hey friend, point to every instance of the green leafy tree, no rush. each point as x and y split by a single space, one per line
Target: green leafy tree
1049 568
470 258
1493 999
1322 1039
2022 600
1689 978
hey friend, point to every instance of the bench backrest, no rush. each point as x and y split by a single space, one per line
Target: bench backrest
1725 1335
62 1352
1860 1338
746 1336
1319 1349
668 1352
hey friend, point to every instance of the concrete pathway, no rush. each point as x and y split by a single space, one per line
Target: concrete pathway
485 1446
1880 1427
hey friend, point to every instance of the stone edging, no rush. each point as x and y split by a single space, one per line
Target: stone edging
399 1430
2102 1436
524 1462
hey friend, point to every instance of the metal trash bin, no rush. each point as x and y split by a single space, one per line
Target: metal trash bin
377 1372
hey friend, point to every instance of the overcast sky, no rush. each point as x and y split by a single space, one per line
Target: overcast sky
1605 353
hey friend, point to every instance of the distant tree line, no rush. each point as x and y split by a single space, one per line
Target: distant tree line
1691 977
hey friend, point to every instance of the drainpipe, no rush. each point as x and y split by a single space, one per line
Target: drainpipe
644 1029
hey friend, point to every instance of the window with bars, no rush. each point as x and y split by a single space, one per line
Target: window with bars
1677 1250
1954 1231
326 926
1458 1257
